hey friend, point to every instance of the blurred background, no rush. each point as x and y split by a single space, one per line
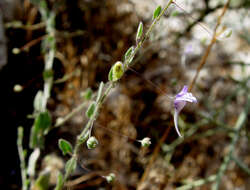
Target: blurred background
90 36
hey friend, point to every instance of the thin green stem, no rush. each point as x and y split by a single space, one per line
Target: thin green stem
241 165
197 183
84 134
149 31
22 159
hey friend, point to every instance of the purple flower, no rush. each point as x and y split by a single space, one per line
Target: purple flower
188 49
179 102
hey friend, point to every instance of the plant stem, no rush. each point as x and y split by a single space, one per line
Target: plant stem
197 183
149 31
213 40
241 165
84 134
22 158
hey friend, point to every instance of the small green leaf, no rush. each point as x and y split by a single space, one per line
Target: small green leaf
99 93
40 128
70 165
42 183
43 122
157 12
139 31
91 109
32 162
65 146
38 101
128 54
111 74
88 94
59 183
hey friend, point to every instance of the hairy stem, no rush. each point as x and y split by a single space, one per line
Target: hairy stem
84 134
22 158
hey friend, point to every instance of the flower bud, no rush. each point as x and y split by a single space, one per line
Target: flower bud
145 142
92 142
18 88
116 71
110 178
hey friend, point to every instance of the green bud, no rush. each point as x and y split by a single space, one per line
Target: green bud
139 31
110 178
92 142
145 142
116 71
18 88
16 51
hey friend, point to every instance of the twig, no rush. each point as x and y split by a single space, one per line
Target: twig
241 165
197 183
196 22
238 126
213 40
20 25
27 46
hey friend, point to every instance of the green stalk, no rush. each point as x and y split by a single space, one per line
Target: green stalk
22 159
84 134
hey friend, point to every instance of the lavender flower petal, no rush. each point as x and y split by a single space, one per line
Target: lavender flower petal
176 114
179 103
188 97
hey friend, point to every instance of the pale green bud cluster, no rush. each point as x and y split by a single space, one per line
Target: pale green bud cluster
92 142
116 71
110 178
145 142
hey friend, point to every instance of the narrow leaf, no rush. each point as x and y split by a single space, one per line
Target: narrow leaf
157 12
129 53
42 183
43 122
70 165
38 101
40 128
111 74
65 146
91 109
59 183
32 162
139 31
